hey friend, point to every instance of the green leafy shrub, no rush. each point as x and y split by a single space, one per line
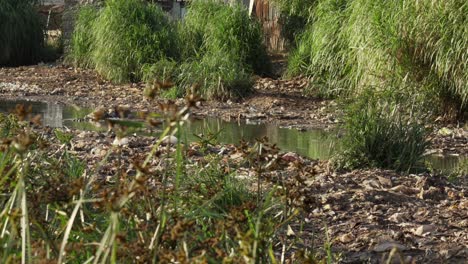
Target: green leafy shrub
352 45
21 33
382 130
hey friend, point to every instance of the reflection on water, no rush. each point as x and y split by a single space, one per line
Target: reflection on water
53 115
316 144
313 143
447 163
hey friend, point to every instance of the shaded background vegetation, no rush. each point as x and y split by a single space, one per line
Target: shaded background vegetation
21 33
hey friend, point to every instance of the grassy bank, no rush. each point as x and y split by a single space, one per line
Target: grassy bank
217 46
415 46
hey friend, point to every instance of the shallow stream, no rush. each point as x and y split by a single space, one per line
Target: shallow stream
315 144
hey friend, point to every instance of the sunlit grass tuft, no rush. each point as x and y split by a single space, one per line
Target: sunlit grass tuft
383 130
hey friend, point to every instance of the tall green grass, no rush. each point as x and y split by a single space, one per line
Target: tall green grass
222 47
385 130
129 34
352 45
294 16
82 38
217 46
218 73
118 40
21 33
216 26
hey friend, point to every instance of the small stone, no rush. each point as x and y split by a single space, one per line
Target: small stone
346 238
385 182
171 140
387 246
424 229
120 141
397 217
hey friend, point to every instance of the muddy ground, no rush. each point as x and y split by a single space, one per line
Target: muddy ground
366 212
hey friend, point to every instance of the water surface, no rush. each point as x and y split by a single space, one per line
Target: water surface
316 144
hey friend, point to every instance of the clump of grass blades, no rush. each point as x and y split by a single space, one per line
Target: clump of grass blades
22 35
222 48
218 74
352 45
319 50
382 130
227 28
122 37
82 39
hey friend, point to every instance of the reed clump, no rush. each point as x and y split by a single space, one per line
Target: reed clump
217 45
383 130
82 38
294 16
122 37
351 45
223 48
22 33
